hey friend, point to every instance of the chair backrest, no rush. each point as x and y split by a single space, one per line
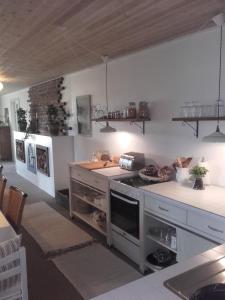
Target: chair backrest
1 168
15 206
3 181
13 276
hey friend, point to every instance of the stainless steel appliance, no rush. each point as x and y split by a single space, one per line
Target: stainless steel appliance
126 201
132 161
186 284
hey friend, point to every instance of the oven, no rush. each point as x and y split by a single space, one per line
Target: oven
125 215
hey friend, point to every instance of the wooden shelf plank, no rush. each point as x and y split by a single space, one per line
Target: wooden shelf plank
87 219
90 202
194 119
122 120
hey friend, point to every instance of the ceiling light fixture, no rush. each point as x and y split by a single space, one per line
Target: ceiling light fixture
107 128
1 86
218 136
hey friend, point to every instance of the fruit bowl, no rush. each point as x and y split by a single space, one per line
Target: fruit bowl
153 178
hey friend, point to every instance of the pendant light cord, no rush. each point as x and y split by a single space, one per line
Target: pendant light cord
106 87
220 71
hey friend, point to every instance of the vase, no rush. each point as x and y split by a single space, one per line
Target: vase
198 184
182 175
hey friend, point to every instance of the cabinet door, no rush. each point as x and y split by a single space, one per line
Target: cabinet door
190 244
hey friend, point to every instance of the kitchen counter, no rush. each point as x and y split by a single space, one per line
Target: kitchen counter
107 172
211 199
151 287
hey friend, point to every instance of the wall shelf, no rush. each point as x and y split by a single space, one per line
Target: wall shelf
135 121
196 120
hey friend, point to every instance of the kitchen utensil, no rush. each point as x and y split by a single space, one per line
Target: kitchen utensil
182 174
132 161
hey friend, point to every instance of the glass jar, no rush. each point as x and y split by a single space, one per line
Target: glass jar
131 110
143 111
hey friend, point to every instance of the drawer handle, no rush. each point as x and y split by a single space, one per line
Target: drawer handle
162 208
215 229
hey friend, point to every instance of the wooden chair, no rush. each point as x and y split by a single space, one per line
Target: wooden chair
13 276
15 206
3 181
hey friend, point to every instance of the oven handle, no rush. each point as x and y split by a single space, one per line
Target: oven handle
132 202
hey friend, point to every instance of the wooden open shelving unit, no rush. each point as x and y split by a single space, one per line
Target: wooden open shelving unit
135 121
196 120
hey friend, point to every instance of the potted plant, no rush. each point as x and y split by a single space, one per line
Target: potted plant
21 119
54 123
198 173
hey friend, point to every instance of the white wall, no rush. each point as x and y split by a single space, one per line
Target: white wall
166 76
60 151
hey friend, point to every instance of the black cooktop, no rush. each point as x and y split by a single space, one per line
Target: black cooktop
136 181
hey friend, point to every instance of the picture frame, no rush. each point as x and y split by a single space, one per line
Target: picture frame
84 125
31 158
20 150
42 154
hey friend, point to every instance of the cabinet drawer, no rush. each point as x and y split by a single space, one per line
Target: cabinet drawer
89 178
165 209
126 247
211 225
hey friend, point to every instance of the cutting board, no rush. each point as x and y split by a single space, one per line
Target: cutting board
93 165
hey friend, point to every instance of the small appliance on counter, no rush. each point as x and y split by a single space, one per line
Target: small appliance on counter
132 161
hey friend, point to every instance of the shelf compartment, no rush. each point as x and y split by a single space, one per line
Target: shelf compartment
88 219
89 202
75 181
157 240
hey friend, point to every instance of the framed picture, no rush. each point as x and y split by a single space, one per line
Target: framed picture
42 160
20 150
31 158
84 115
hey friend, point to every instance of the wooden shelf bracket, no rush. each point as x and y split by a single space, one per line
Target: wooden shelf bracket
194 128
140 125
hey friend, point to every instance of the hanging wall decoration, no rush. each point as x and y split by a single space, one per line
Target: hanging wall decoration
42 160
84 115
20 150
31 158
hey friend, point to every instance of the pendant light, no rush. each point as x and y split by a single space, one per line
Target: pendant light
218 136
107 128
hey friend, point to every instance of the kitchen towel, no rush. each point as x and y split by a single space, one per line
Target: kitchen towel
54 233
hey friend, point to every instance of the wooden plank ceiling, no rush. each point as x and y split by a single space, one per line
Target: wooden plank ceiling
43 39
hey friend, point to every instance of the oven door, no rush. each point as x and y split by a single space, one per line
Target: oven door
125 213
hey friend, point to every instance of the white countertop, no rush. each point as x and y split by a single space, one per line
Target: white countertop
151 287
212 199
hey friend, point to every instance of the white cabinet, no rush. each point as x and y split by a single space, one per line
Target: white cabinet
165 209
89 198
193 231
190 244
208 224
